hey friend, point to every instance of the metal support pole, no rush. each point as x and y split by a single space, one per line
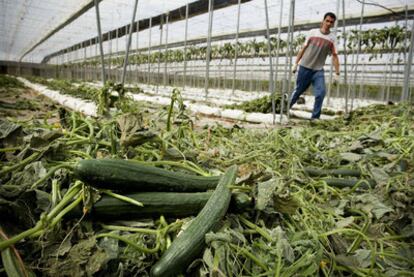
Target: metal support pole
95 63
210 26
236 49
137 52
279 31
98 24
84 63
357 54
185 46
292 23
149 52
406 33
361 84
159 53
165 51
129 42
110 57
289 56
269 51
116 55
345 57
407 69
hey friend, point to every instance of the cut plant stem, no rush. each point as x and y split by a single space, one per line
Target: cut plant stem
51 172
6 169
130 243
123 198
130 229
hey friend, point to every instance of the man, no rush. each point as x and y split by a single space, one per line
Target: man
319 43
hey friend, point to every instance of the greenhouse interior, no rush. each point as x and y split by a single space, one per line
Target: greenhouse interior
241 138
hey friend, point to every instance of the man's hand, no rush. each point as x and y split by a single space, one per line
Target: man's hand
295 68
336 79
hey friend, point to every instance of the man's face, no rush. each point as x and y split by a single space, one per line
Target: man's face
328 22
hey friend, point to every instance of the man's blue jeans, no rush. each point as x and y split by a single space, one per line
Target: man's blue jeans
305 78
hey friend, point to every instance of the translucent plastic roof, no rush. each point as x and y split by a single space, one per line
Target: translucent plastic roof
25 22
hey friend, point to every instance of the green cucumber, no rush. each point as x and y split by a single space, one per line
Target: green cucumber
349 183
168 204
124 175
190 243
316 172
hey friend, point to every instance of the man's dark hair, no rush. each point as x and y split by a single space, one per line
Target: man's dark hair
330 14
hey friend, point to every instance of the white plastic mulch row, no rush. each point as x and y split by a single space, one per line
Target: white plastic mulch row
337 104
226 96
221 97
89 108
241 96
86 107
213 111
215 96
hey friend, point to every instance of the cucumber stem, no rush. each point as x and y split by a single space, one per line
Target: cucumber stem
6 169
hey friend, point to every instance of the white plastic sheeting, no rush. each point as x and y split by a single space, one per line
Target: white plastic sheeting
212 111
86 107
89 108
24 22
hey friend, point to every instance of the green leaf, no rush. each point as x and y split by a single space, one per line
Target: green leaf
363 257
265 194
345 222
372 204
350 157
379 175
208 258
96 262
283 247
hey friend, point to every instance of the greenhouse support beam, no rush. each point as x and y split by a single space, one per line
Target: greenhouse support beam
137 47
357 55
407 70
117 50
131 26
378 18
236 49
149 53
185 46
72 18
110 58
195 8
98 24
279 31
406 33
269 50
289 58
345 56
210 27
159 56
166 49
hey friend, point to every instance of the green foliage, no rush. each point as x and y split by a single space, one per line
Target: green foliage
374 41
67 87
299 226
259 105
10 82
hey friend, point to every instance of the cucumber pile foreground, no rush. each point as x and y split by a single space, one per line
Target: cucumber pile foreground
147 192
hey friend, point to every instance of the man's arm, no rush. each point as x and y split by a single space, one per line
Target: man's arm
299 57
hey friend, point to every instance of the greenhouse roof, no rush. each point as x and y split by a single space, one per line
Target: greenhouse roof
26 23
